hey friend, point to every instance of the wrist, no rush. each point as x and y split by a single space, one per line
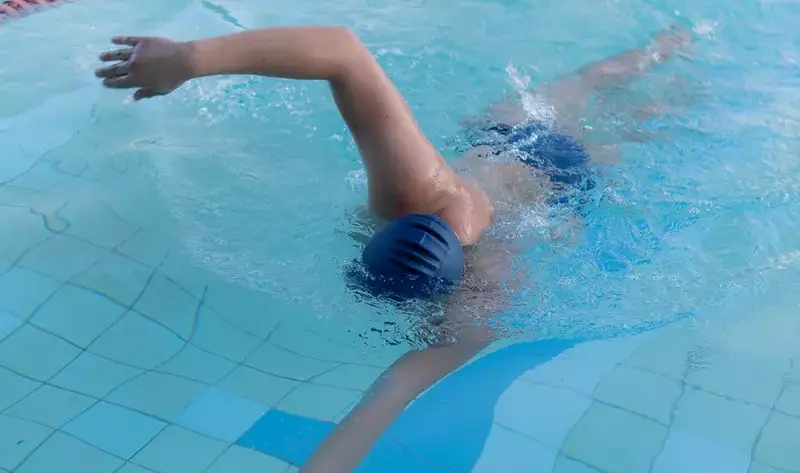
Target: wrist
190 60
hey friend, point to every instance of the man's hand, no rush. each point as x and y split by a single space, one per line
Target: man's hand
154 66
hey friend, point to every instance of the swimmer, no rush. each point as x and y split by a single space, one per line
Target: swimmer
434 238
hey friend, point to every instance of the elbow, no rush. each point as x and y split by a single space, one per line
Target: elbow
353 53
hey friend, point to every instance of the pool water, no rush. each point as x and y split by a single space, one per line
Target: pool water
170 271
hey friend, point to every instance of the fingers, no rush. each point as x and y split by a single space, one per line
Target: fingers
118 55
126 40
119 69
119 82
145 94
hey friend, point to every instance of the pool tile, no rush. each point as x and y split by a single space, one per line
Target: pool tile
18 438
512 452
94 376
77 315
116 276
35 353
117 430
196 364
615 440
544 413
666 353
21 230
640 391
568 465
62 257
133 468
147 247
137 341
169 305
723 421
51 406
161 395
23 290
318 402
217 336
177 450
348 376
221 415
383 357
271 359
247 308
686 452
789 402
239 459
8 324
5 264
14 387
62 453
759 468
298 339
724 376
777 446
581 368
292 469
96 224
264 389
185 275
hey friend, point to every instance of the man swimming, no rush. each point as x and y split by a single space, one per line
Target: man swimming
435 241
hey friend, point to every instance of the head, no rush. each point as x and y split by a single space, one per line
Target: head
414 256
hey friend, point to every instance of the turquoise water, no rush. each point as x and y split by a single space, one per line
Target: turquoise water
253 182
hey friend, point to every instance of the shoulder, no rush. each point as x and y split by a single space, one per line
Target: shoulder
468 211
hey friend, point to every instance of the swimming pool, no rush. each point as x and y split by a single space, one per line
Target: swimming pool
170 272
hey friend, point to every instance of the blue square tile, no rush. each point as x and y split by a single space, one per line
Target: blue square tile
177 450
14 387
23 290
216 335
240 459
114 429
194 363
158 394
685 452
168 305
92 375
51 406
137 341
117 276
77 315
512 452
93 222
35 353
62 453
62 257
221 415
18 438
147 247
8 323
21 230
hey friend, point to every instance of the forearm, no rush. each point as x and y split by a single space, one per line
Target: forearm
322 53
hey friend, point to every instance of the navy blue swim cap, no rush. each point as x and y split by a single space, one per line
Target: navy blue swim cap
414 256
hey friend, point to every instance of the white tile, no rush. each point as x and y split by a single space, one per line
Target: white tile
262 388
15 387
117 276
146 246
196 364
298 339
21 230
62 453
615 440
221 415
238 459
640 391
582 367
348 376
8 324
23 290
789 402
77 315
18 438
35 353
62 257
217 336
177 450
509 451
724 376
568 465
318 402
689 453
51 406
723 421
94 376
541 412
247 308
114 429
168 305
138 341
777 446
161 395
96 224
271 359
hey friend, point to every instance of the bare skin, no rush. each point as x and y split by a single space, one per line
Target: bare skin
406 175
